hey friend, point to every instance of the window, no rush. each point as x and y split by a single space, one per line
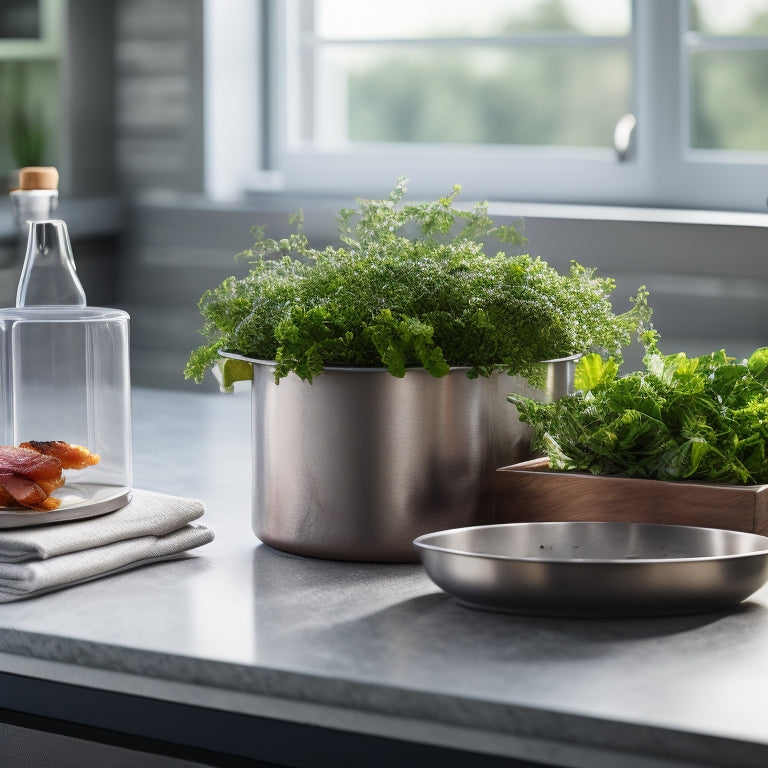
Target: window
651 102
436 72
30 82
726 48
20 19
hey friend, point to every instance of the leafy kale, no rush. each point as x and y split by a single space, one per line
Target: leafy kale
703 418
410 286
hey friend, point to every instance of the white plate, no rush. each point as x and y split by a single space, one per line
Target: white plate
78 501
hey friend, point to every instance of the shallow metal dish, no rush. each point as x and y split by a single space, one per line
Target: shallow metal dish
595 569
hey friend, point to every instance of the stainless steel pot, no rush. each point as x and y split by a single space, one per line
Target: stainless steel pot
359 463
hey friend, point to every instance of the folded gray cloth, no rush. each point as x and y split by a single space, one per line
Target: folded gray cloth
150 527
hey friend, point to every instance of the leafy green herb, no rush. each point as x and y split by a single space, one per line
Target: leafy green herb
703 418
410 286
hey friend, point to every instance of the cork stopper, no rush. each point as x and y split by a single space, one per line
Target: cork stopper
45 177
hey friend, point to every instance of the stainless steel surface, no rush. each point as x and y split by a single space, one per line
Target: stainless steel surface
594 569
560 374
357 464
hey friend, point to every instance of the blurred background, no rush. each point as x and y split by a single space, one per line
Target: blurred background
629 136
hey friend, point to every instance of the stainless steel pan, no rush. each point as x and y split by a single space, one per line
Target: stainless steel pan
595 569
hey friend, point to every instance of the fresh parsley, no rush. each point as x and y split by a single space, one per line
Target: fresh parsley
411 285
701 418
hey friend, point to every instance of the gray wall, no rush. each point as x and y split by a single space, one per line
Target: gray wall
87 168
707 282
158 61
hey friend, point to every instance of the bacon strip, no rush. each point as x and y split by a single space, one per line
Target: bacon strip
29 464
28 478
30 473
24 491
70 455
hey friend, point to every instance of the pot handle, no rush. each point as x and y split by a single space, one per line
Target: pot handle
229 370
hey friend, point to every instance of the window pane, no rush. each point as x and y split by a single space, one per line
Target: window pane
19 19
536 95
729 96
730 17
403 19
496 72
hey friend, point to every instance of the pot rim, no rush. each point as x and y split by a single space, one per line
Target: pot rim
360 369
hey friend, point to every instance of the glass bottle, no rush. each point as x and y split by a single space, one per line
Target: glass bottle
48 276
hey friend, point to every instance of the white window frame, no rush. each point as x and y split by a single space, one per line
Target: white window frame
233 124
661 171
680 176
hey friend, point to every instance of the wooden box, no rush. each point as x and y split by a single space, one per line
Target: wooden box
531 492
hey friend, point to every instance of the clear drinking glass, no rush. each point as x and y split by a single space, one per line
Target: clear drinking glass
64 375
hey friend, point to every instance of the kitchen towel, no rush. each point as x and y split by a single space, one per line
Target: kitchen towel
150 527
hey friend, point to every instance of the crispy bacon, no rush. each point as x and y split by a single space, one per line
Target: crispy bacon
47 505
30 473
70 455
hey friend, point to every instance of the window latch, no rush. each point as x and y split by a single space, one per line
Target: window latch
622 136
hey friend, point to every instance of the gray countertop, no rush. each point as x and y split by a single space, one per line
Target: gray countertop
378 649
